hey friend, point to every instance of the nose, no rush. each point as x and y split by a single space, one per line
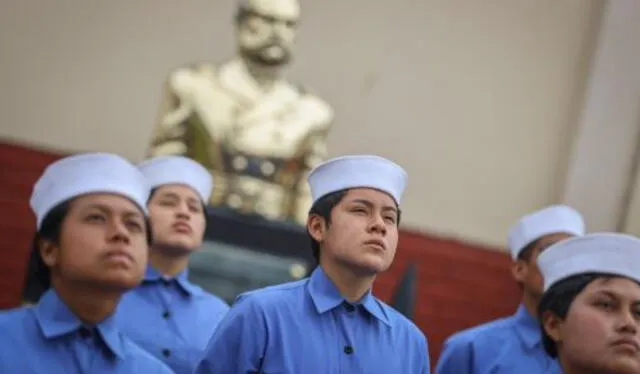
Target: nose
182 211
118 231
629 322
377 225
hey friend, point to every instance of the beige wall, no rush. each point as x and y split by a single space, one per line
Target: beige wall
600 181
477 99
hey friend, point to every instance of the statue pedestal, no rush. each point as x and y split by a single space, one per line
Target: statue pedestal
242 253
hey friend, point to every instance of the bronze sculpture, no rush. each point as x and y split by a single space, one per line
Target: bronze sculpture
256 132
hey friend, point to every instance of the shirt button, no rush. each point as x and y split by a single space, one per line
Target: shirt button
166 352
350 308
166 314
348 349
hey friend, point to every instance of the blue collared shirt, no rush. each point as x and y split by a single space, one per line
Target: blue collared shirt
49 338
509 345
307 327
173 319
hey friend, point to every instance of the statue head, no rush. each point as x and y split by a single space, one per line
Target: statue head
266 30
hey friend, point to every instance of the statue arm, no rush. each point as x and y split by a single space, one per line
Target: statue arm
317 153
168 137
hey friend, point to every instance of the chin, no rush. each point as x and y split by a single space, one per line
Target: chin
625 365
121 282
372 267
182 243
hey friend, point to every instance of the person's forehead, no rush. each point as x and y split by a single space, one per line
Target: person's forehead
110 201
614 285
370 194
178 190
279 9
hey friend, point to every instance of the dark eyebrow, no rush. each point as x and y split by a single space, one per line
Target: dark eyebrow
175 196
369 204
172 195
105 209
610 294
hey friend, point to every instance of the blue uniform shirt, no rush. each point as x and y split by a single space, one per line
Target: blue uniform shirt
173 319
307 327
49 338
509 345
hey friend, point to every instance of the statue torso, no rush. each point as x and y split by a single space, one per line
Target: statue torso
259 145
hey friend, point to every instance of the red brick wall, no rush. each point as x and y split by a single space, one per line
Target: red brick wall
460 284
19 169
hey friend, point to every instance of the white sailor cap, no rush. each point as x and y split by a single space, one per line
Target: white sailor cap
358 171
554 219
604 253
164 170
87 173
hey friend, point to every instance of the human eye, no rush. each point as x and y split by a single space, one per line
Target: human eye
94 217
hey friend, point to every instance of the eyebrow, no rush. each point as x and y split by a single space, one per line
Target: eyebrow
610 294
108 210
616 296
370 205
174 195
271 18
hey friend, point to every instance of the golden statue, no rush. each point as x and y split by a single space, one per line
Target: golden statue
257 133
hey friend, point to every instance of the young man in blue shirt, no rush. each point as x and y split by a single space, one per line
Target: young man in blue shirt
514 344
330 322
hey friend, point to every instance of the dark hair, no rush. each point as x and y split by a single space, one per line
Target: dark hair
38 275
525 255
323 208
558 300
527 252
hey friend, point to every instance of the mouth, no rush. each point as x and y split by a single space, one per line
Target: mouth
376 243
182 228
627 344
119 255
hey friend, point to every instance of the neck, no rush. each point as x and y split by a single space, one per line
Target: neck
265 76
531 304
91 305
168 264
351 285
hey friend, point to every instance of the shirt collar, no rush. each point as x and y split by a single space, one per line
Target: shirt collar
56 319
527 327
326 296
151 275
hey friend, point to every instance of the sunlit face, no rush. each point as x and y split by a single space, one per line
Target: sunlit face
526 271
363 233
103 241
177 218
266 35
601 331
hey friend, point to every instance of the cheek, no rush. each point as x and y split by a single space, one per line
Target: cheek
350 230
199 226
340 236
584 331
81 247
84 239
139 247
392 236
286 34
255 33
160 221
534 275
